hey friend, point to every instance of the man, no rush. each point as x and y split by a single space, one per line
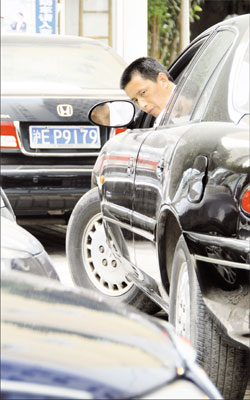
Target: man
149 85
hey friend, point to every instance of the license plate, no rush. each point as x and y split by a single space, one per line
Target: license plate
65 137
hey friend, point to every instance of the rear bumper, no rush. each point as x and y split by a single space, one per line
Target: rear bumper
36 191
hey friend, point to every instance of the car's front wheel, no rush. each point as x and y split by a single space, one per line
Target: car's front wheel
92 263
226 365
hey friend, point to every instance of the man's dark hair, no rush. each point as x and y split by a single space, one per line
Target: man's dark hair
147 67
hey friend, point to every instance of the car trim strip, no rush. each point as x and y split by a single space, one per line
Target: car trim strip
140 232
236 244
164 302
35 154
227 263
32 171
239 245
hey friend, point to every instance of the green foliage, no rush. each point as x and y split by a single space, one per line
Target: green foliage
164 27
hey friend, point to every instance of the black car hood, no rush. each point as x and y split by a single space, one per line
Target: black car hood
54 336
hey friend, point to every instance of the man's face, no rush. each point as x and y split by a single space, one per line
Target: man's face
150 96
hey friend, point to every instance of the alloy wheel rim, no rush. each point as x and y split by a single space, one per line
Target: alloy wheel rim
182 316
103 269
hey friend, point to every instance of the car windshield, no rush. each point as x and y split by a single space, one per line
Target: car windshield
57 67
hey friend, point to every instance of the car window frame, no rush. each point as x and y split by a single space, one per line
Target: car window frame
181 63
183 60
197 115
203 42
208 39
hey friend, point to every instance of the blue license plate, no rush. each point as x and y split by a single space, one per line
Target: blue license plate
65 137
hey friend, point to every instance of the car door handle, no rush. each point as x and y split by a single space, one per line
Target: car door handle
160 168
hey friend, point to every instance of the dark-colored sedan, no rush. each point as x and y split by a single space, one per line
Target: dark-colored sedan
70 344
175 205
48 146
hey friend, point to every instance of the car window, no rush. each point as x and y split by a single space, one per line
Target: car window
200 107
198 78
178 67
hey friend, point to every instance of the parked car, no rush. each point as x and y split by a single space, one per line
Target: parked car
48 146
173 227
70 344
20 250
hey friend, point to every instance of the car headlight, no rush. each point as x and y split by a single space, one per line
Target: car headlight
20 260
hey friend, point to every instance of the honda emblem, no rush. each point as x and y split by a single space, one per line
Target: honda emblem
64 110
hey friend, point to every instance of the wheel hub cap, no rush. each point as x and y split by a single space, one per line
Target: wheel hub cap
103 269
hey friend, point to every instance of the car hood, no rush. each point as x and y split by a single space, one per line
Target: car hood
14 237
55 335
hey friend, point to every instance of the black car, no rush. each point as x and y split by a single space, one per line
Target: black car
48 146
70 344
175 208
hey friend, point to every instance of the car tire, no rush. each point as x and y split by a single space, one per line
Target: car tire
91 262
226 365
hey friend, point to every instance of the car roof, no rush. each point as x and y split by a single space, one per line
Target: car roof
236 21
68 40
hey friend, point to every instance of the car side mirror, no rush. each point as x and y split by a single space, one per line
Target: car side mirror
115 114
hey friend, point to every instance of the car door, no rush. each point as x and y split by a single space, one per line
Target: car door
152 173
119 169
151 177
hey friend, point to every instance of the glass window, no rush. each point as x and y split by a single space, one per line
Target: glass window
198 78
95 20
95 5
95 25
179 66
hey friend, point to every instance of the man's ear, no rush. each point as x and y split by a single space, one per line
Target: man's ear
162 78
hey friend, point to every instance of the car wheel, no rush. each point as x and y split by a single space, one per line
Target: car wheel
92 263
226 365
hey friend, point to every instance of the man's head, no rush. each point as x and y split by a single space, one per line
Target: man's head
148 84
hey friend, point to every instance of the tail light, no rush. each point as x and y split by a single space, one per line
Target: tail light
119 130
9 138
245 201
116 131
